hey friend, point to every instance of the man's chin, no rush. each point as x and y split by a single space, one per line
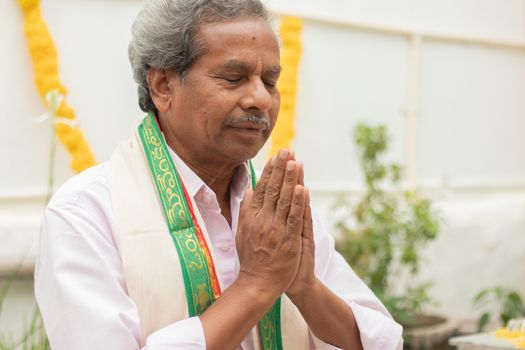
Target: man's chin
244 153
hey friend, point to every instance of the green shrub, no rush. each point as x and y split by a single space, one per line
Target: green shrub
382 234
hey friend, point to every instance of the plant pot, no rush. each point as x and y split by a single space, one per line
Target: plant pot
428 332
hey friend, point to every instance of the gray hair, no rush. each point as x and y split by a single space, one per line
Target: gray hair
164 35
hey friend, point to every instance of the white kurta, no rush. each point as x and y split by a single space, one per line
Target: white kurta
81 290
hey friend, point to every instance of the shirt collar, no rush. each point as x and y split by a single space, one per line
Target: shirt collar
194 184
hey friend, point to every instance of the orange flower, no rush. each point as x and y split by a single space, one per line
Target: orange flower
284 131
45 65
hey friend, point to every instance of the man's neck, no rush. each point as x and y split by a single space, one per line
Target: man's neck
218 180
218 177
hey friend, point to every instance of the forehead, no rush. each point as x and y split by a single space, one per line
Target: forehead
243 39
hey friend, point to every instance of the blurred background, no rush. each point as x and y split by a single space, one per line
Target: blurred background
446 78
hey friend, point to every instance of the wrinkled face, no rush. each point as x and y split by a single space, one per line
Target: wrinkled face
227 104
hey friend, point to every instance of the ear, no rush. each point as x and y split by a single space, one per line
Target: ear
161 88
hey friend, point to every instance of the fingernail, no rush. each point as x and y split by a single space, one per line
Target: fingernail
283 154
290 165
272 161
298 190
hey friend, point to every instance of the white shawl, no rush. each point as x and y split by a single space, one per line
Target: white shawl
150 261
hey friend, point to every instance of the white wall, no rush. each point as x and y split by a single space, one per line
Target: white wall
471 117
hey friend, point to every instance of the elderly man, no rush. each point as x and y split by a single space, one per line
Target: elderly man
173 244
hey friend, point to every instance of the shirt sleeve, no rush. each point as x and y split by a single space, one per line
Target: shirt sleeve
80 286
377 329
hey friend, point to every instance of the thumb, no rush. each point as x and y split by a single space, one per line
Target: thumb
246 201
245 205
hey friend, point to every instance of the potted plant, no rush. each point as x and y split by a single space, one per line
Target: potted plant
500 302
381 234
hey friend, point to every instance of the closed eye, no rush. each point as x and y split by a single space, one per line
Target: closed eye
232 80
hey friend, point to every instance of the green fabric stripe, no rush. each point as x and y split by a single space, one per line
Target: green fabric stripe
253 176
199 294
195 272
277 320
270 328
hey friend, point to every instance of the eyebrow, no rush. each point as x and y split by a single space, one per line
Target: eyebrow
239 65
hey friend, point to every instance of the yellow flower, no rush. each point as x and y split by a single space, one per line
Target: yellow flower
45 66
283 133
24 4
515 337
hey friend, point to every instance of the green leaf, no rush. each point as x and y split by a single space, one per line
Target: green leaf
483 320
481 296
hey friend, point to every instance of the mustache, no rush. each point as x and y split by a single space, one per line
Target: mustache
249 118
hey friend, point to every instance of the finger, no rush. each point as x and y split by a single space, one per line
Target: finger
308 227
272 189
285 198
246 202
294 222
243 211
301 173
258 193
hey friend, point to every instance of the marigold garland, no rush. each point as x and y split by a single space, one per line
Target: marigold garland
283 133
45 65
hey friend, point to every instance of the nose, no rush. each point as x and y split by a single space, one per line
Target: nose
256 96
